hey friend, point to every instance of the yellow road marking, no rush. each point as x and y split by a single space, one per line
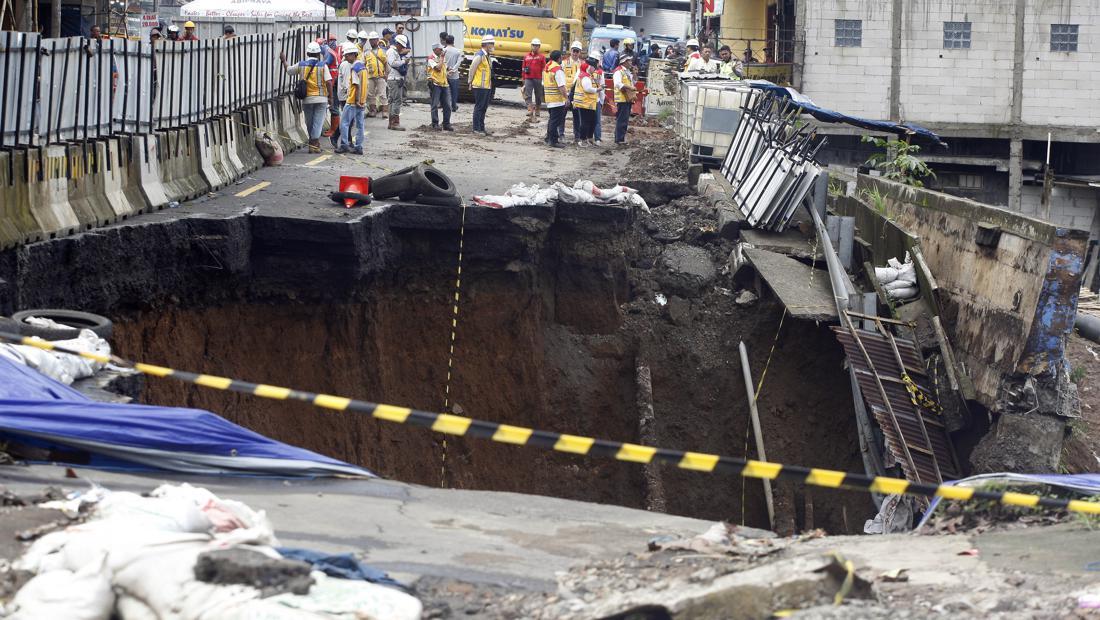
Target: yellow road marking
318 160
252 190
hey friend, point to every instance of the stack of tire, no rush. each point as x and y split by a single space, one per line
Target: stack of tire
422 184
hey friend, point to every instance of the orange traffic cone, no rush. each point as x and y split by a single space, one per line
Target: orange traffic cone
354 191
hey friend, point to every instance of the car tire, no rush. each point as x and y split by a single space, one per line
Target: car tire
393 184
432 182
74 321
439 201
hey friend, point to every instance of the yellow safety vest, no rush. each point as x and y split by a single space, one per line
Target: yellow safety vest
550 83
438 76
313 72
584 99
483 74
375 63
570 66
357 93
626 78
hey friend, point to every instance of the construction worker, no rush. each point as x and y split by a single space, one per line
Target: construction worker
571 66
597 73
439 87
387 39
173 33
533 94
481 81
623 82
397 64
694 58
553 83
364 41
628 48
319 93
374 58
353 37
355 100
730 67
343 81
229 32
454 58
189 32
586 98
710 64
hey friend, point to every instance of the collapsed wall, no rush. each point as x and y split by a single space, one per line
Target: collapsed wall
559 306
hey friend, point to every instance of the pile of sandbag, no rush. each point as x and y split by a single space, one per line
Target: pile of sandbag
898 279
581 192
135 558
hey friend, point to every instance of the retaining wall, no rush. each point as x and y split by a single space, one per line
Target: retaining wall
57 190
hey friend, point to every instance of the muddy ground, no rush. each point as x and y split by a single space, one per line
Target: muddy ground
1081 453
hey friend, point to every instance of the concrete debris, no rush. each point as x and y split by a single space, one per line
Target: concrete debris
745 298
251 568
687 268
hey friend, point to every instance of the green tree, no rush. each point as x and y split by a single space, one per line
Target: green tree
898 161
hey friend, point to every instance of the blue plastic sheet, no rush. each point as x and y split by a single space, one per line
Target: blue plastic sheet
340 565
38 410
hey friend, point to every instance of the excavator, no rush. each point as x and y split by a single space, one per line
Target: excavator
513 25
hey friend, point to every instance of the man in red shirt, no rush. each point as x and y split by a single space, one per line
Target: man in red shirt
533 65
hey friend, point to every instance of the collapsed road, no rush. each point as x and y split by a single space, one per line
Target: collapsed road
561 310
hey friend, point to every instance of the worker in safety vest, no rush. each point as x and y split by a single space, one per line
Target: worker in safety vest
318 92
439 86
730 67
374 58
355 100
397 64
600 79
553 86
387 39
343 81
481 81
695 60
353 37
571 66
364 42
586 97
623 81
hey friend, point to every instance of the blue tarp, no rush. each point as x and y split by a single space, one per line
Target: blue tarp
37 410
831 116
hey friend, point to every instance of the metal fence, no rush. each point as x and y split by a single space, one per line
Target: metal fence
427 28
73 89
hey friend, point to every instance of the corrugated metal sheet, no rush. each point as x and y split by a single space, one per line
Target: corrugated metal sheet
666 22
931 456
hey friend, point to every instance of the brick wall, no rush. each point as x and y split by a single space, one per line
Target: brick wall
968 86
1070 207
1062 88
853 80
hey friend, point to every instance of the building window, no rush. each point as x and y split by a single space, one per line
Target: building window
970 181
956 35
1063 37
849 33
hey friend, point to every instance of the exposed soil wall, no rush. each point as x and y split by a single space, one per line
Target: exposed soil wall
558 308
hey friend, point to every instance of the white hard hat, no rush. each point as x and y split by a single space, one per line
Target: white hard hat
350 48
536 42
352 34
401 40
488 39
313 48
173 28
372 35
363 35
692 43
576 46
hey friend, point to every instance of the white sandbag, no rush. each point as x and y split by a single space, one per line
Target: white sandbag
908 273
82 595
352 599
581 192
61 367
903 293
896 284
173 514
230 521
885 274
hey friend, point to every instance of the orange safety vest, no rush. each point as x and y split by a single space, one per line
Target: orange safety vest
550 83
582 98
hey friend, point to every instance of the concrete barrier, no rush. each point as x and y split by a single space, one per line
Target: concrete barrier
294 120
17 224
144 167
228 141
48 191
119 153
111 175
180 167
87 194
209 165
244 135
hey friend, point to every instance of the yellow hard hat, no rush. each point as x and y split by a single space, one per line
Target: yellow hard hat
628 41
188 24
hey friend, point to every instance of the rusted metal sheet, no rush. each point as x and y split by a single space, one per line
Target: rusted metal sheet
915 435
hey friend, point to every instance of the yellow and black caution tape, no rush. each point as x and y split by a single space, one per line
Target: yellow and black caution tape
918 397
588 446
